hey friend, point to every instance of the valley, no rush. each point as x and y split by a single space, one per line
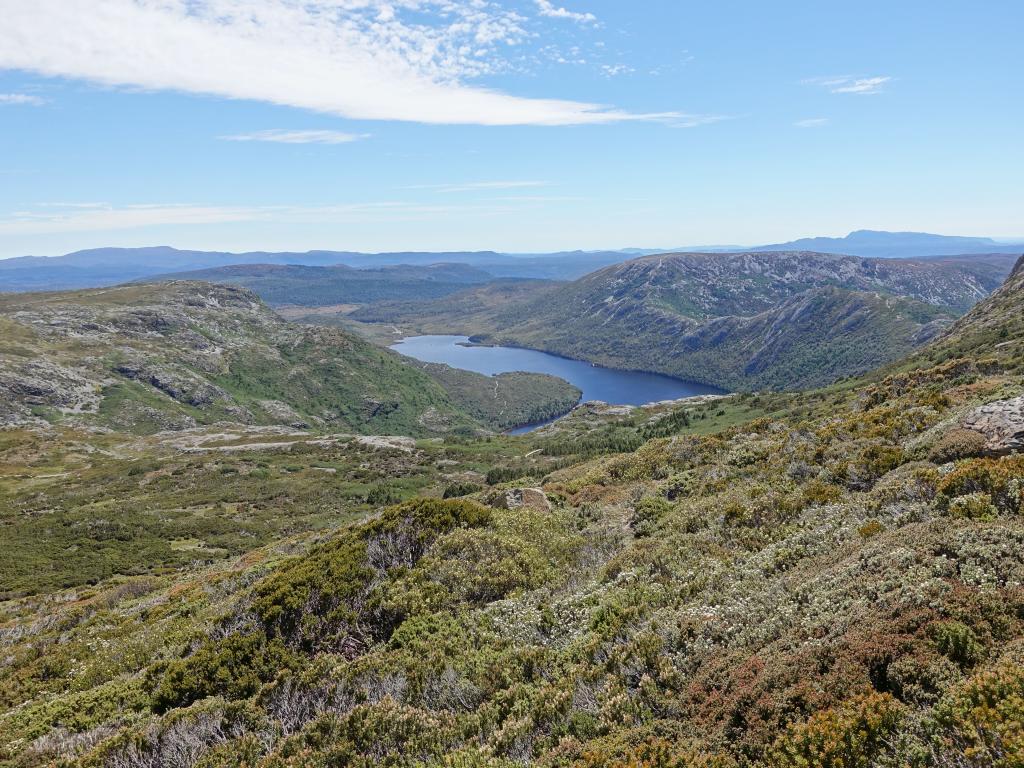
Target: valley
608 385
511 384
775 579
759 320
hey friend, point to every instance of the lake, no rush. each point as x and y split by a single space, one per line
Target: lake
597 383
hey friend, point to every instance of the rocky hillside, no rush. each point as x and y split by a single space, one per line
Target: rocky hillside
704 286
823 579
740 321
148 358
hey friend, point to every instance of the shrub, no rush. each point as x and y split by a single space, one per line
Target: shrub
382 495
870 529
983 720
1002 480
234 668
456 490
506 474
818 492
647 513
958 642
973 506
852 736
957 444
325 600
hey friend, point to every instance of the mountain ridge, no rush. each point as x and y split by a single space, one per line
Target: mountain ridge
105 266
693 315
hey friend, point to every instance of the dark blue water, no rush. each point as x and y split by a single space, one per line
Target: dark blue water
597 383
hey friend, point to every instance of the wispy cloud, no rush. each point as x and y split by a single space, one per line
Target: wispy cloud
695 121
812 122
851 83
478 186
552 11
21 99
404 60
50 218
612 70
74 217
282 136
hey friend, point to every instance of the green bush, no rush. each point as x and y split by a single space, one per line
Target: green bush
982 721
647 513
457 490
382 495
323 600
958 642
234 668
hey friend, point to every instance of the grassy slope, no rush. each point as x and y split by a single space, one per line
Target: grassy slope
169 356
507 400
806 579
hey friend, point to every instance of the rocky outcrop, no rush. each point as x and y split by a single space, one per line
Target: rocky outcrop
40 383
284 413
1002 425
388 442
179 385
521 498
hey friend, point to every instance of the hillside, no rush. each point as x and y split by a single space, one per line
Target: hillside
740 321
818 579
279 284
175 355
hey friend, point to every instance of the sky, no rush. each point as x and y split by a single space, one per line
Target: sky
510 125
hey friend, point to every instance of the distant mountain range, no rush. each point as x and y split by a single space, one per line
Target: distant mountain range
890 245
109 266
279 284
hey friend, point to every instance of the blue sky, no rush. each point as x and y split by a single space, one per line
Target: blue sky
526 125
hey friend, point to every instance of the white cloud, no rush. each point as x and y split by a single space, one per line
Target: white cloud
549 9
851 83
477 186
812 122
611 70
74 217
282 136
362 59
21 99
695 121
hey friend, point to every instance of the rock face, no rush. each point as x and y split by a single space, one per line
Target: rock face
521 498
1001 423
390 442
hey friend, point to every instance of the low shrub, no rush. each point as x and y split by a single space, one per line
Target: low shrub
852 736
957 444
